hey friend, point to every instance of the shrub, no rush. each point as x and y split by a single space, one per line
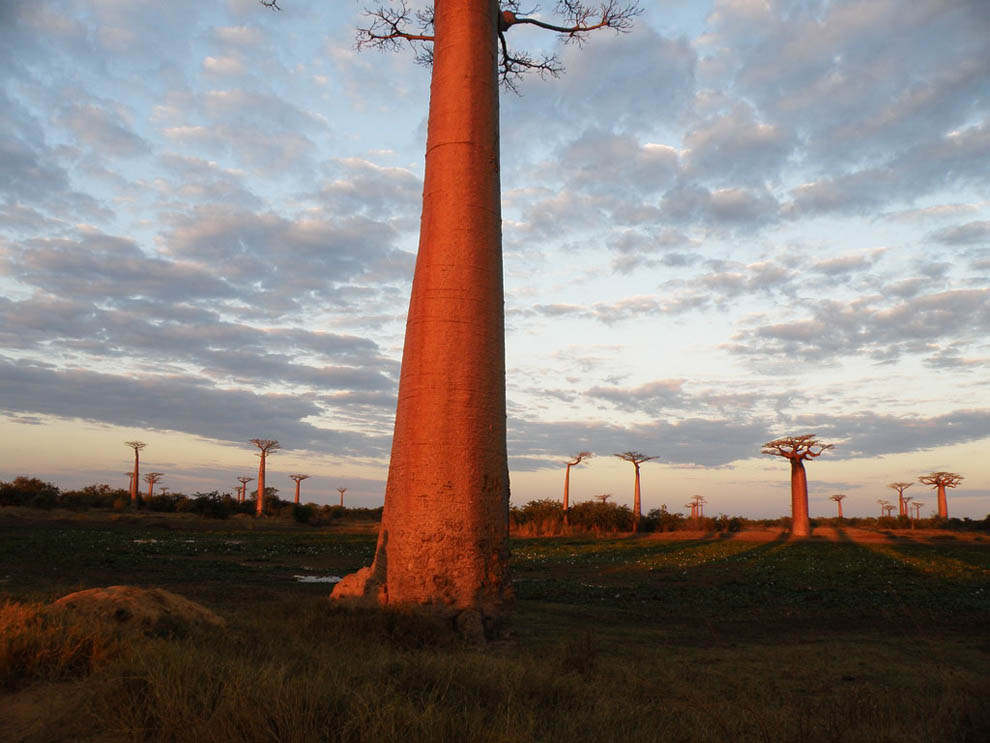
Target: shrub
602 517
303 513
28 491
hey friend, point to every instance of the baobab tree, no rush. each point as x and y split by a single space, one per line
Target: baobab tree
163 490
917 505
883 504
838 498
266 446
242 493
341 491
602 497
694 510
578 458
699 504
637 458
900 487
888 509
443 541
152 478
137 446
797 449
940 481
298 479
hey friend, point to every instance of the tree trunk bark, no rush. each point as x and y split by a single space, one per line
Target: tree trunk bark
297 492
134 481
260 507
840 509
443 542
943 506
151 490
637 509
800 525
567 487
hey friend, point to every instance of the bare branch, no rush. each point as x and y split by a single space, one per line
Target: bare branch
637 458
267 446
135 445
941 479
579 457
299 478
389 27
581 19
796 447
272 4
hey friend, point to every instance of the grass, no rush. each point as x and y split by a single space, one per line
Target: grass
625 639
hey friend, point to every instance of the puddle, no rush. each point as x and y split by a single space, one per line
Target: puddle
317 578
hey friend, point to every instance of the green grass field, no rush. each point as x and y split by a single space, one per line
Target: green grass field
615 639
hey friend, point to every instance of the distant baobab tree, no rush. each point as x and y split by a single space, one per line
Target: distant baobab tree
838 498
940 481
242 493
602 497
163 490
888 509
152 478
917 505
900 487
694 510
341 491
883 504
137 446
637 458
577 459
797 449
266 447
298 479
443 540
699 503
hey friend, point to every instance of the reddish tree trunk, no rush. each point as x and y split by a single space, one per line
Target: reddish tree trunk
297 492
444 535
151 489
637 510
134 481
800 525
840 508
943 506
567 487
259 509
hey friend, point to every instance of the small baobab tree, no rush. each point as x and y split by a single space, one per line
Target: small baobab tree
602 497
137 446
298 479
699 503
900 487
242 492
163 490
940 481
917 506
883 504
443 541
152 478
577 459
266 447
341 491
838 498
797 449
888 510
694 510
636 458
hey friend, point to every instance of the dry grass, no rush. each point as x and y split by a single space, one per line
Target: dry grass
35 646
612 640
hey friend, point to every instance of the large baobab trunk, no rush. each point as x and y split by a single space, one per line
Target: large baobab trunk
134 479
637 505
444 533
260 507
943 506
800 525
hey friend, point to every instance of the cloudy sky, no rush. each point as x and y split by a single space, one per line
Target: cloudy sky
745 219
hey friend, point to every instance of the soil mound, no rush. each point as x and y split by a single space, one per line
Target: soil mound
152 612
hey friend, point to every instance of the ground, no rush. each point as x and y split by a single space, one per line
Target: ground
849 635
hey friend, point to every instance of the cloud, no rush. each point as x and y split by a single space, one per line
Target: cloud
189 404
971 233
882 331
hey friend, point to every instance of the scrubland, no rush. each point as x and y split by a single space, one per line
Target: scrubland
852 635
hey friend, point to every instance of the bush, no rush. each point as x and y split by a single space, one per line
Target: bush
28 491
99 495
538 517
303 513
602 517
